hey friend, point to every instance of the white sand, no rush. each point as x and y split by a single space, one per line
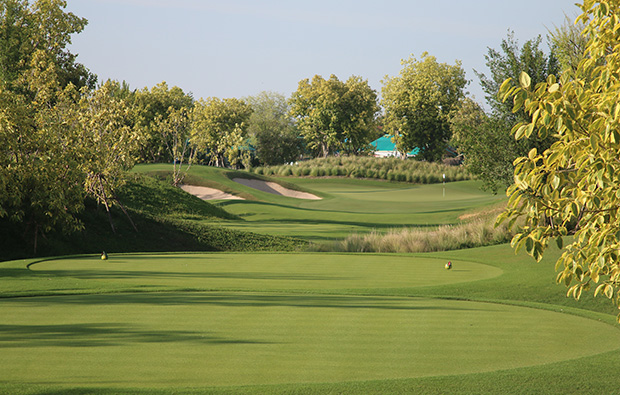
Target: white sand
209 193
276 189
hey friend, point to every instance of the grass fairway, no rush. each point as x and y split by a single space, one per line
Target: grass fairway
348 205
292 323
302 323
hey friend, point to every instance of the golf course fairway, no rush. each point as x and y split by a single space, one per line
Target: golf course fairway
215 320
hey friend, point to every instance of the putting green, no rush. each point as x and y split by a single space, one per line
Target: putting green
270 271
184 339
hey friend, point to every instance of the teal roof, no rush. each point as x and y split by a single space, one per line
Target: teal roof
385 144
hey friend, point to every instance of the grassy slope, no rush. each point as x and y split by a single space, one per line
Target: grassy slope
523 282
348 205
167 219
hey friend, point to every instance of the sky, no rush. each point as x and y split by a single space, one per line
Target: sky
239 48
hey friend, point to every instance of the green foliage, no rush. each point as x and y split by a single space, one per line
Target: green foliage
219 128
418 102
174 129
391 169
167 219
572 187
485 139
509 62
42 25
335 116
272 131
486 144
109 143
41 157
568 44
151 112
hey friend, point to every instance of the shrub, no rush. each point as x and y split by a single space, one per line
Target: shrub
392 169
478 231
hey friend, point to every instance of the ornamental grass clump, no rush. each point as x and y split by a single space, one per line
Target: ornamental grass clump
476 230
390 169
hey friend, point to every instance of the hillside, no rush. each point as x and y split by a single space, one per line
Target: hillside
167 219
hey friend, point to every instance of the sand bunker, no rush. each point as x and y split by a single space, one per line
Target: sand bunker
209 193
276 189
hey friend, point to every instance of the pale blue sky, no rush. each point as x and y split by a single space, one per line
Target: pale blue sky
238 48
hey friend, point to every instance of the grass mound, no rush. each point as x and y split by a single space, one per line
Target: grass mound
167 219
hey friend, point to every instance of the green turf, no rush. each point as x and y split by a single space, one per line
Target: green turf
269 272
347 205
298 323
223 339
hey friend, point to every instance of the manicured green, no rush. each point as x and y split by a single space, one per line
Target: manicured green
298 323
266 322
269 272
347 205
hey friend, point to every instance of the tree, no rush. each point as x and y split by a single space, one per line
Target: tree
109 143
495 167
41 180
41 183
150 108
568 44
487 145
571 188
418 103
272 130
508 63
174 129
41 26
335 116
220 127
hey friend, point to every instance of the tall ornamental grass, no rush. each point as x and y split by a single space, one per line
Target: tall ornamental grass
390 169
476 230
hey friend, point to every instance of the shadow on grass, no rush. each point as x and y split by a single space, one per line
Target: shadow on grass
103 274
15 273
244 300
101 335
364 212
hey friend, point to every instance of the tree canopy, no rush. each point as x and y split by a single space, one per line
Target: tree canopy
61 140
220 127
495 166
571 188
272 130
418 103
335 116
151 108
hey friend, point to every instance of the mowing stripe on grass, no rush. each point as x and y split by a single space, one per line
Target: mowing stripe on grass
235 338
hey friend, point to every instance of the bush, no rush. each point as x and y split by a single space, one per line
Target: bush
478 231
392 169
